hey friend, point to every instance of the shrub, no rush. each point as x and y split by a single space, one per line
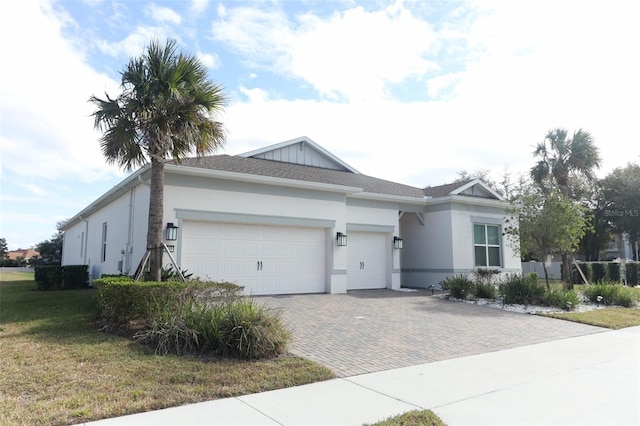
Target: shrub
632 272
562 298
485 291
613 271
169 334
48 277
599 272
170 274
75 276
248 330
484 275
612 294
186 318
458 285
524 290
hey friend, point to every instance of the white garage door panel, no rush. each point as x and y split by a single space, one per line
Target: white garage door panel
292 259
367 261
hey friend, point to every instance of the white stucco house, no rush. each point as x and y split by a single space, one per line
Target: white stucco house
294 218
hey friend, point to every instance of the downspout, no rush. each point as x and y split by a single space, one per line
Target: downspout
86 239
129 247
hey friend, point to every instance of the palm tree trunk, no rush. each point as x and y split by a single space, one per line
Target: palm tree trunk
156 213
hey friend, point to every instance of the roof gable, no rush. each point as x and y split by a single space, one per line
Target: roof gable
302 151
472 188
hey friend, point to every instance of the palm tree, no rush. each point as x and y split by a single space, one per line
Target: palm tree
560 158
565 157
167 109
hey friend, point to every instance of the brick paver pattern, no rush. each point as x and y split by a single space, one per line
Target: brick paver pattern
373 330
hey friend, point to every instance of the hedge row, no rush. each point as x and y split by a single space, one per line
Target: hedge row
597 272
120 299
193 317
67 277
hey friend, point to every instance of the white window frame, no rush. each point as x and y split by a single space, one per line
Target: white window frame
103 251
486 246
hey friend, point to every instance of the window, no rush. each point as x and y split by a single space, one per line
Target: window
486 245
103 254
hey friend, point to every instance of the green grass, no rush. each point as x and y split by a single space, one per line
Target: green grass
614 318
56 368
412 418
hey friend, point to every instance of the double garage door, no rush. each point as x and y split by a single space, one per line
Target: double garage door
278 259
263 259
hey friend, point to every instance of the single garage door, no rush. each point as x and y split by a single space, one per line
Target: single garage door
367 260
263 259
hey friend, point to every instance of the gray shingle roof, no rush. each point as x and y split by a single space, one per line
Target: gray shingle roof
444 190
271 168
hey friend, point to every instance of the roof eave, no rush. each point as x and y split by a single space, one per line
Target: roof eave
467 199
260 179
132 181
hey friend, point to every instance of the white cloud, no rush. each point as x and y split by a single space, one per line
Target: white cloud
47 129
134 43
353 54
198 6
209 60
163 14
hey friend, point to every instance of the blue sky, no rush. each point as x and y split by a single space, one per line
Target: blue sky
410 91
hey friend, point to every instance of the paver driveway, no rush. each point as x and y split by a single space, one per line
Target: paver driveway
374 330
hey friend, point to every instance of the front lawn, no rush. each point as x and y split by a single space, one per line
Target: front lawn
58 369
614 318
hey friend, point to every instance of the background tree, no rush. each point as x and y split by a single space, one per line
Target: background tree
50 250
544 223
621 189
559 159
167 109
598 231
506 187
4 251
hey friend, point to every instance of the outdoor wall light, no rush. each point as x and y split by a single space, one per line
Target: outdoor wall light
171 233
397 243
341 239
171 248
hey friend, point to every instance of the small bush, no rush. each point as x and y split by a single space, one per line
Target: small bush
75 276
524 290
484 275
562 298
599 272
485 291
48 277
612 294
170 274
169 334
248 330
459 286
613 271
632 272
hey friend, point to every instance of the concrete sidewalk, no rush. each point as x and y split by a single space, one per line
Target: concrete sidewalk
586 380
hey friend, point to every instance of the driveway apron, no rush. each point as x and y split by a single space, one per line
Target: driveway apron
374 330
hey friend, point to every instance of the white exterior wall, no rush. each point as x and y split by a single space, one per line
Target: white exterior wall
126 219
255 200
444 245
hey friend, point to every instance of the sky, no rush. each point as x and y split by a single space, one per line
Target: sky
405 90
